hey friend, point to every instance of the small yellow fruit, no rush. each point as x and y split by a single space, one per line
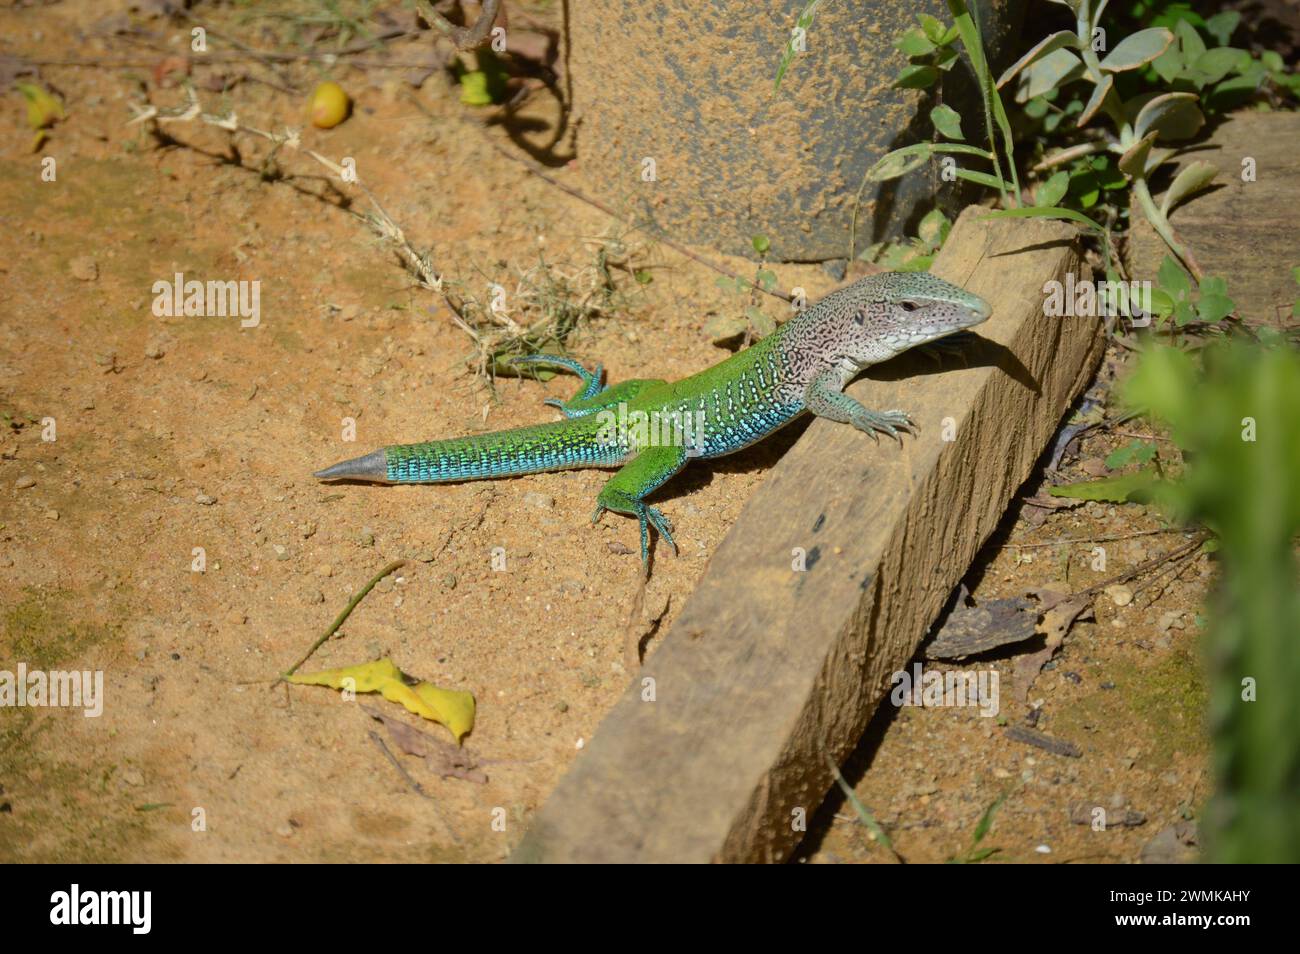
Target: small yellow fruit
329 105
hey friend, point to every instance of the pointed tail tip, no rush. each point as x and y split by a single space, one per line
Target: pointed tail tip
373 466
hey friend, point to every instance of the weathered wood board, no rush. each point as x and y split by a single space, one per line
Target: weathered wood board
1243 231
723 736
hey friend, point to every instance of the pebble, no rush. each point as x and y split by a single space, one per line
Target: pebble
155 350
51 515
308 529
204 500
133 777
325 570
538 500
449 581
236 617
366 538
1119 594
280 552
84 268
25 481
425 556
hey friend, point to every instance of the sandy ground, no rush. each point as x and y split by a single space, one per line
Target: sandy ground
174 434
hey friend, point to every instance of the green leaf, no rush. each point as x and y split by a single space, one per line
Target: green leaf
935 30
761 244
804 22
1211 308
1169 64
1190 41
1099 94
916 76
902 161
643 276
1194 177
986 820
1039 212
1141 452
947 120
1121 489
982 178
1053 190
1052 71
1213 65
1173 279
1049 44
1170 116
1184 313
914 43
1137 49
766 279
934 228
1133 162
1221 26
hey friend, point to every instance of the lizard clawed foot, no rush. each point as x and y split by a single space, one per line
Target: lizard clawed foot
662 525
884 422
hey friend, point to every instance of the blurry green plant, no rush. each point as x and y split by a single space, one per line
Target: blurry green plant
1235 412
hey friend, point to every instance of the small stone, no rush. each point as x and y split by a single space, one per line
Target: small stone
84 268
366 538
308 529
538 500
325 570
1119 594
449 581
203 500
316 597
51 515
236 617
133 777
280 552
155 350
424 556
1169 620
25 481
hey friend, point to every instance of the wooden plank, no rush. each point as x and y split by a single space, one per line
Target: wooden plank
767 668
1243 231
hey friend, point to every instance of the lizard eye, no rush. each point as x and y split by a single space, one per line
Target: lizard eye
908 305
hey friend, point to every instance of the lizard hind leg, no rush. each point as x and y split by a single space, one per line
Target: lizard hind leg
626 491
590 379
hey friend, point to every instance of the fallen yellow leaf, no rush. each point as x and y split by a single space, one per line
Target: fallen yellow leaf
449 707
43 107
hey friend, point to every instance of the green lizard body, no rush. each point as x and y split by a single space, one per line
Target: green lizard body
651 429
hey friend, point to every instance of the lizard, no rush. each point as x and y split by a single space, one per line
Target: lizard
800 368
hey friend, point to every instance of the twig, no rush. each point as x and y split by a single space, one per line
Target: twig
465 38
380 221
347 611
1173 554
383 747
1062 541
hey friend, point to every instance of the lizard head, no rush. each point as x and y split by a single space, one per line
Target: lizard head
893 311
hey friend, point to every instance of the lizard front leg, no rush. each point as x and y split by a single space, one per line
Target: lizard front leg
825 397
626 491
